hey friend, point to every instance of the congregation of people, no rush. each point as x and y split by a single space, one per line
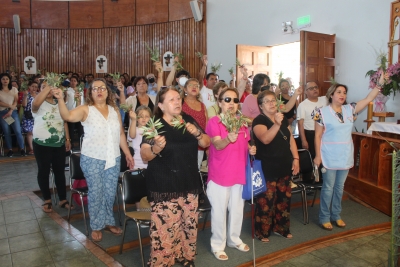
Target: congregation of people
54 122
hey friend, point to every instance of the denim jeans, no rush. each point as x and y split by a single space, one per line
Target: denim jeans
16 128
331 194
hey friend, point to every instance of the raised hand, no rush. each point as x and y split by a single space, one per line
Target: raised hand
278 118
158 66
204 60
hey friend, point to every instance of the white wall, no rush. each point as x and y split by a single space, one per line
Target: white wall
359 25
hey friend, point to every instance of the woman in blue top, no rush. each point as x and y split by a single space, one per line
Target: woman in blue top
334 148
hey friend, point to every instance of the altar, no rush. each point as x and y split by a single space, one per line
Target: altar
385 129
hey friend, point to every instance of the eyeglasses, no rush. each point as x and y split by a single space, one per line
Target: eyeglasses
193 86
312 88
273 101
229 99
340 117
99 88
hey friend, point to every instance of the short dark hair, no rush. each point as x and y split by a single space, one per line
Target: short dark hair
212 74
182 73
260 97
282 81
90 74
258 81
139 78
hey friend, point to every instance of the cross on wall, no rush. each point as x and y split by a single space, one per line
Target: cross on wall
29 63
101 61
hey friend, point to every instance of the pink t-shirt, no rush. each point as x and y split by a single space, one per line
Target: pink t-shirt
226 167
249 107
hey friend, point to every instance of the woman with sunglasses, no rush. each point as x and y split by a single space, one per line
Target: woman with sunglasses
226 177
334 148
195 108
277 151
100 154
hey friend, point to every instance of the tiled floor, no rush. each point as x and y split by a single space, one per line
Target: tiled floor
30 237
366 251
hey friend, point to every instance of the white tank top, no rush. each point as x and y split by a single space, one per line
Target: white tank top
102 136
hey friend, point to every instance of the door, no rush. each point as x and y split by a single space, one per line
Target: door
255 58
317 59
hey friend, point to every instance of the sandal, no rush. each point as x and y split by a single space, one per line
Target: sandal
47 207
113 230
31 152
327 226
185 262
63 205
242 247
340 223
263 239
218 255
287 236
98 234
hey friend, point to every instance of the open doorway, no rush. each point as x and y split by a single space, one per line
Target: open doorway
286 62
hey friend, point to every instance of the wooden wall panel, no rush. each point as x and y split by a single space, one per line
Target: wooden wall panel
86 15
151 11
61 50
49 15
9 8
119 13
179 9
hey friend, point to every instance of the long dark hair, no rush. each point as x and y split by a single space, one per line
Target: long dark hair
258 81
110 96
9 80
158 113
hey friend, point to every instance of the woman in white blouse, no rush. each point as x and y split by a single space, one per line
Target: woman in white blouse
100 154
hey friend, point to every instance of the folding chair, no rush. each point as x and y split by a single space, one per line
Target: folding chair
204 203
133 189
75 173
123 168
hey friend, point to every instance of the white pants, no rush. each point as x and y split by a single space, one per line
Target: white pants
200 155
221 198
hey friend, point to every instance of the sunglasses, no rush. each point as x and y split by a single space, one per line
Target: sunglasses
340 117
229 99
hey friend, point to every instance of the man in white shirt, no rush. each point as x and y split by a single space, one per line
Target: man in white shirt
206 92
305 116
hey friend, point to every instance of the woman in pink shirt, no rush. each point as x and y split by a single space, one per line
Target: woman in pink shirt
226 177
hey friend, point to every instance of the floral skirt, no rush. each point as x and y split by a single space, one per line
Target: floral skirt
173 230
272 212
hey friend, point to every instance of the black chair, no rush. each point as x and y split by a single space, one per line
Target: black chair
133 189
123 167
204 203
306 166
75 173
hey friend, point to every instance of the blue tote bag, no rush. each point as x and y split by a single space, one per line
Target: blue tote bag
255 180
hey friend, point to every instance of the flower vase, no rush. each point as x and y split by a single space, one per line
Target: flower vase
380 103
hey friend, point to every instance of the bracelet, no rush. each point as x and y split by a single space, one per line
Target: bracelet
198 134
67 139
295 158
156 154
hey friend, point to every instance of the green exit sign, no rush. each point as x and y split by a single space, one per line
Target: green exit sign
302 21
